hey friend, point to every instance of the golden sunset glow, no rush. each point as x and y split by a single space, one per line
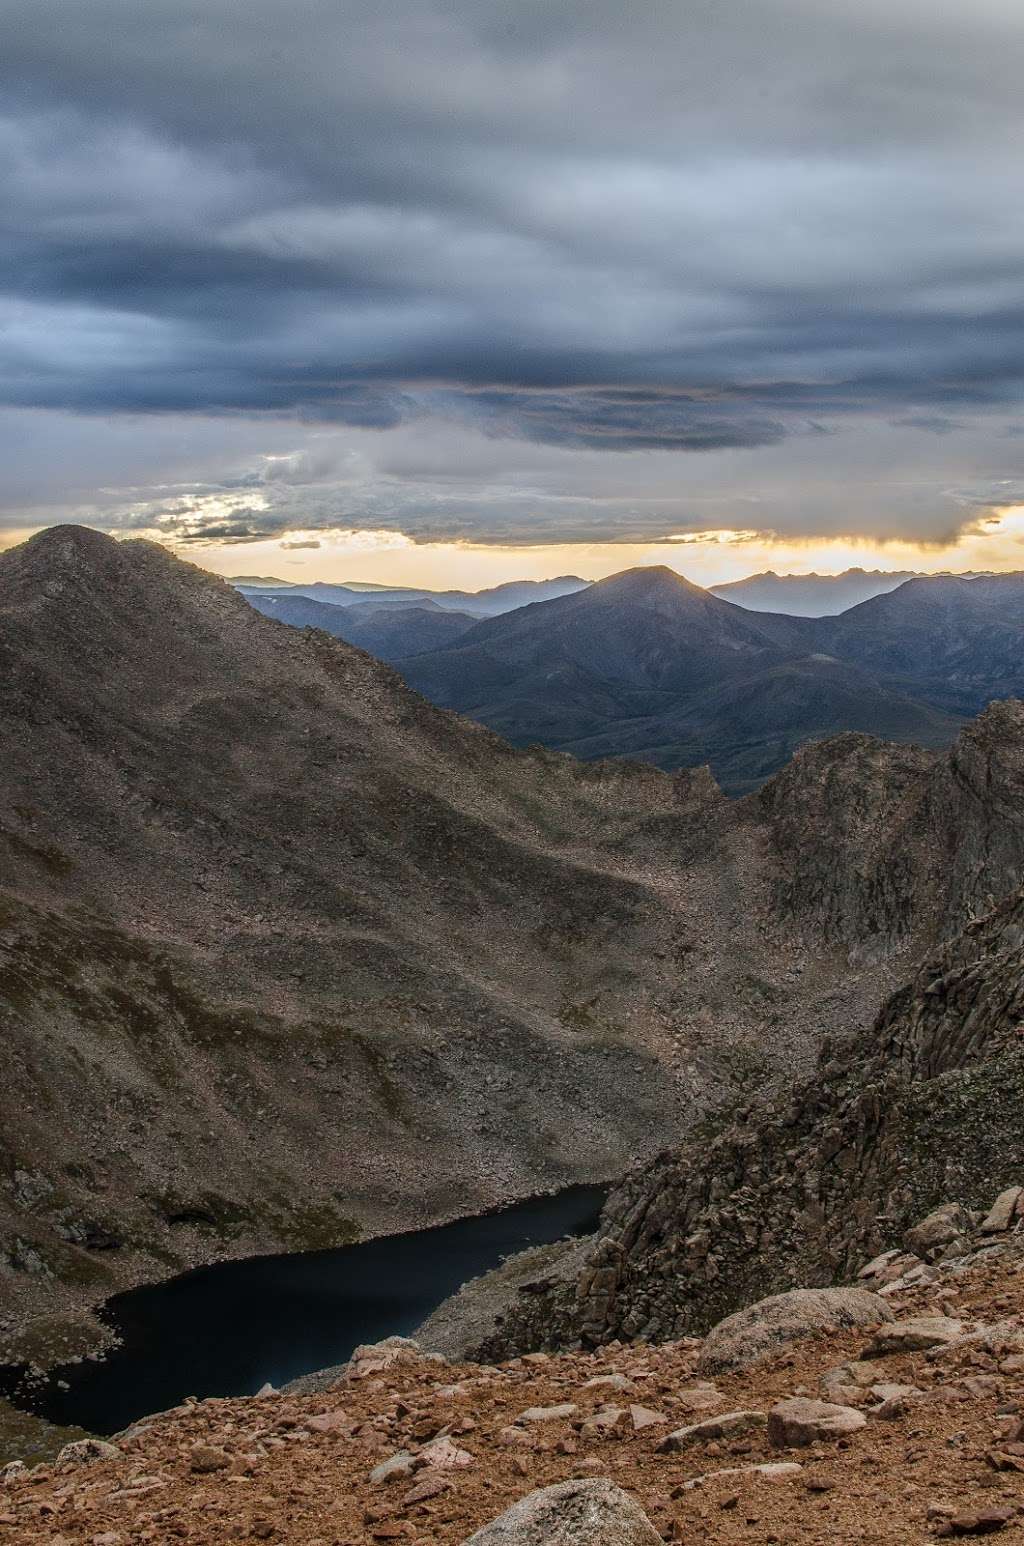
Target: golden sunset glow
995 541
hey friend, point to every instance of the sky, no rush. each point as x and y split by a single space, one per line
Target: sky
452 291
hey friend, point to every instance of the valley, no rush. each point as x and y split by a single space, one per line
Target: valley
289 957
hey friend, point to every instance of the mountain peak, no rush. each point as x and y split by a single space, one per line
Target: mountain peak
647 582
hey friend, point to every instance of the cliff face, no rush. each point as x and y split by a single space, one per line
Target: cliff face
873 843
926 1106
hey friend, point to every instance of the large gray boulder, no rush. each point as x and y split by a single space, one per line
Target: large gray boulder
583 1513
945 1231
754 1334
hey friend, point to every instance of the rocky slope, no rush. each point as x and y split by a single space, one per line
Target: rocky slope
288 955
925 1105
878 1415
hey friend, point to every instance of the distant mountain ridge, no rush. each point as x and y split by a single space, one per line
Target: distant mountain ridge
646 664
484 603
390 628
810 595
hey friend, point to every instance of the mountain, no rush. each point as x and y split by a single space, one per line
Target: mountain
288 955
391 631
922 1108
483 603
810 595
647 665
257 582
320 591
956 640
510 595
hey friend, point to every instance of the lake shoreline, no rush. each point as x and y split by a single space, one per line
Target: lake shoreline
376 1287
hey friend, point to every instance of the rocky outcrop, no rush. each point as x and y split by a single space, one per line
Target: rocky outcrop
929 1104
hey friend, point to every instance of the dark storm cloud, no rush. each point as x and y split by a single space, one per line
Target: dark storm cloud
669 226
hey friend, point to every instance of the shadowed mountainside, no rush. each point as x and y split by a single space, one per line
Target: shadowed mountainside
647 665
388 631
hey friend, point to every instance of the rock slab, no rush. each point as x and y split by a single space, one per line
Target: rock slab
799 1422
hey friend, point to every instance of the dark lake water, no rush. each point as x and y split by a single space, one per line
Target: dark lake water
227 1330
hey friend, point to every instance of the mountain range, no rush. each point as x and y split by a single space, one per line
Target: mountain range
647 665
289 955
483 603
810 595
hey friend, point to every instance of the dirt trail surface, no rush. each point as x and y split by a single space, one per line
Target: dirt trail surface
933 1447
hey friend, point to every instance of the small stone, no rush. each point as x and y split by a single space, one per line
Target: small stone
617 1382
430 1487
548 1414
397 1468
443 1455
645 1417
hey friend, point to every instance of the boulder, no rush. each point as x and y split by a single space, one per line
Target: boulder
983 1521
376 1357
86 1451
914 1335
1003 1211
578 1513
798 1422
856 1373
945 1231
730 1425
754 1334
878 1264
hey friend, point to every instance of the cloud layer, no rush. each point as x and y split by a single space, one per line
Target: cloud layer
540 238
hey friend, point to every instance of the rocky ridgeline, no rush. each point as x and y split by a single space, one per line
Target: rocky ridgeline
928 1104
876 843
888 1409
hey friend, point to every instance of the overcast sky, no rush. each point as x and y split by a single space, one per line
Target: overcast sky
521 273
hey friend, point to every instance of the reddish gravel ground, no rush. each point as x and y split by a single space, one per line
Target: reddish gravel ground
296 1470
